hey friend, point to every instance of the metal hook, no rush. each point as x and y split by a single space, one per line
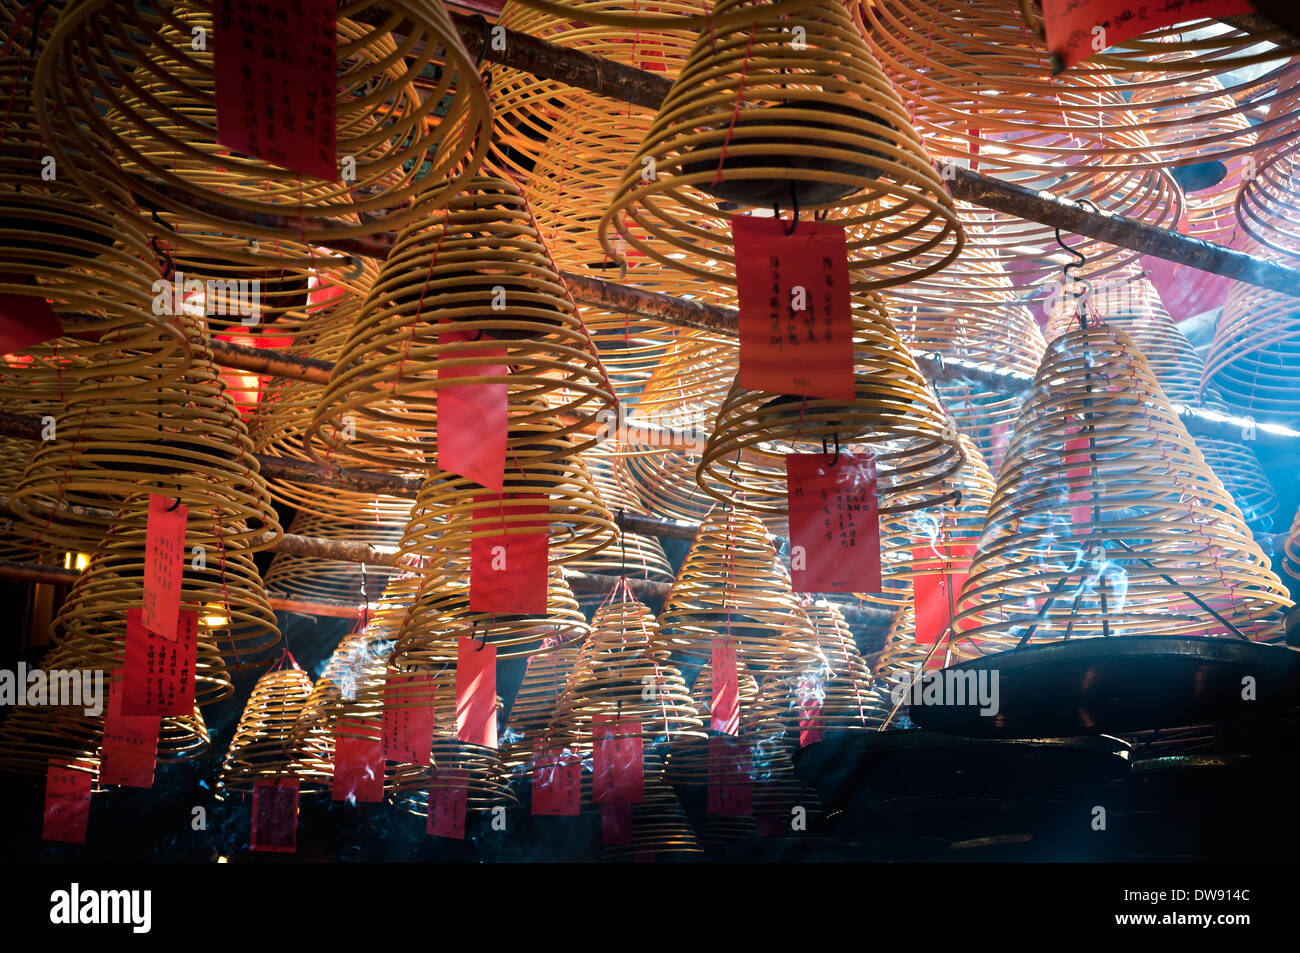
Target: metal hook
794 205
835 459
482 639
1070 266
173 507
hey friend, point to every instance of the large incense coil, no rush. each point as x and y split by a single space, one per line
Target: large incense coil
623 672
184 439
660 830
686 388
836 695
731 584
167 88
441 613
31 735
974 71
1107 520
914 541
94 266
540 691
14 452
1136 308
1267 196
480 267
316 579
487 781
261 749
237 629
754 119
542 467
1255 349
894 414
334 692
659 15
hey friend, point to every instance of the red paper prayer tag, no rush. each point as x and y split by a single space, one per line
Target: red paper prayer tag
834 527
615 824
67 803
731 788
557 782
796 318
810 717
448 795
408 718
1079 480
130 750
275 69
473 419
26 320
164 564
1078 29
939 570
725 683
358 762
158 675
476 693
275 815
618 767
508 571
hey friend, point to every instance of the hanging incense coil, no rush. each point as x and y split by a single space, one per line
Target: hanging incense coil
486 779
324 580
659 15
237 629
183 439
660 830
481 268
1106 519
756 120
834 695
545 680
180 166
262 745
914 541
335 691
972 70
894 414
731 584
1137 309
94 266
623 672
33 734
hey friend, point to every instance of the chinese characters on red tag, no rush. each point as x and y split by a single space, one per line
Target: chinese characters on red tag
796 318
834 526
275 67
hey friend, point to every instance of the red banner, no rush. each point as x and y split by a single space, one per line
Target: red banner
408 718
275 816
618 765
67 803
508 571
164 564
26 320
130 751
476 693
448 799
1078 29
473 419
557 782
358 762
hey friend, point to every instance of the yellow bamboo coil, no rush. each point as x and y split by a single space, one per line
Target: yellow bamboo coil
783 111
1148 523
96 107
261 748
